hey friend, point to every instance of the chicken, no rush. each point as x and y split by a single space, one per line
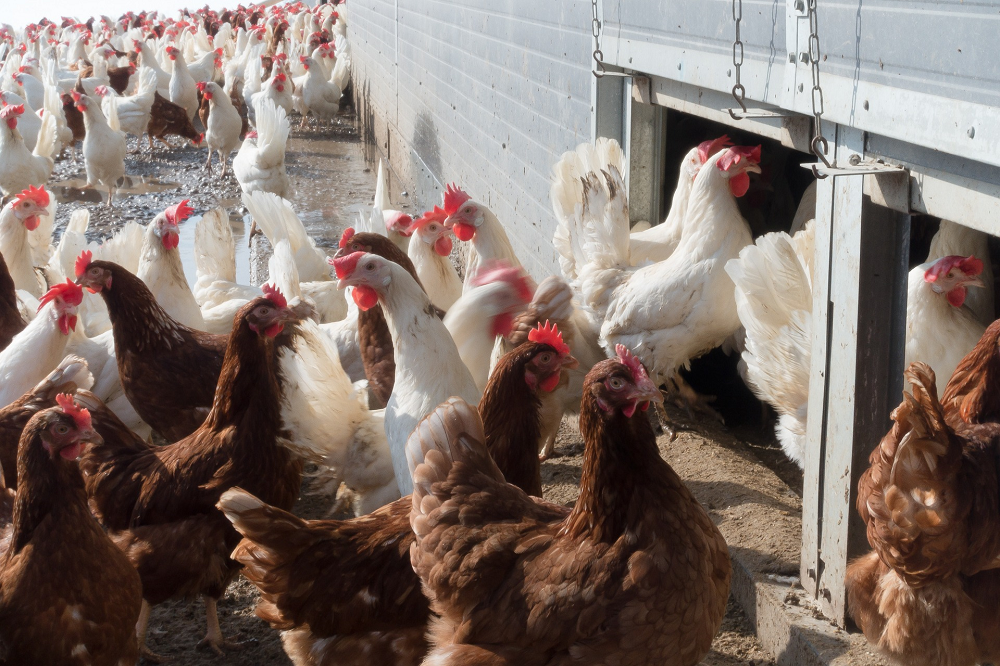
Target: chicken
315 93
617 294
472 221
149 60
428 366
104 148
19 217
216 290
157 501
955 239
971 396
222 133
374 338
398 225
69 595
134 111
478 537
429 250
260 163
275 91
205 68
156 355
20 168
500 293
167 118
29 124
935 294
161 269
315 576
36 350
182 85
12 321
71 374
926 594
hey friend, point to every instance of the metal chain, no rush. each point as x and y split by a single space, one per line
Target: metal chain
595 24
739 92
818 144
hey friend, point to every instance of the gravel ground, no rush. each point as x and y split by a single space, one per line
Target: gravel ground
332 184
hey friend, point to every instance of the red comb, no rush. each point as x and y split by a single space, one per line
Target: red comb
344 266
708 148
549 335
9 111
401 223
201 85
436 215
70 292
76 95
632 362
969 265
274 295
346 237
80 414
82 262
252 134
280 78
736 154
179 212
496 271
36 194
454 198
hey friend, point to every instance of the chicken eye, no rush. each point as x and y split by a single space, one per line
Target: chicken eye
370 266
433 228
545 358
616 383
264 311
62 429
468 210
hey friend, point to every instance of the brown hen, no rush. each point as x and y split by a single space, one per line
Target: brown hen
168 371
344 591
69 595
11 321
167 118
931 501
636 573
158 502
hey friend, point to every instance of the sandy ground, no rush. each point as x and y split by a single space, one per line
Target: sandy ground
333 183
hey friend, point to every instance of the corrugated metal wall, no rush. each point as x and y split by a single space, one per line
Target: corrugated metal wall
487 93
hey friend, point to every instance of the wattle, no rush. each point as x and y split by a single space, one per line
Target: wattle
274 329
464 231
443 246
171 240
957 296
549 383
739 184
71 452
31 223
364 297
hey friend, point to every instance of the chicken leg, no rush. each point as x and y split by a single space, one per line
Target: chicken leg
214 639
208 162
140 635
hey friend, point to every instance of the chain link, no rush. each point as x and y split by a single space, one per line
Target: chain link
739 92
819 143
595 25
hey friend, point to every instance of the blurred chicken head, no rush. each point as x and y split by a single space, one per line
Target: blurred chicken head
269 313
67 428
544 370
512 291
205 88
165 225
368 274
736 164
399 222
29 204
951 275
10 113
66 298
90 274
172 52
430 229
464 216
349 244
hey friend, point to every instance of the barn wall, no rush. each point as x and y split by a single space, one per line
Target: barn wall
487 93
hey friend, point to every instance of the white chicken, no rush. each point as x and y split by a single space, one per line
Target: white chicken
429 368
206 67
20 216
315 94
29 124
19 167
957 239
216 290
148 59
224 124
161 269
429 250
472 221
259 165
39 348
182 89
500 292
104 148
702 308
774 297
397 223
276 90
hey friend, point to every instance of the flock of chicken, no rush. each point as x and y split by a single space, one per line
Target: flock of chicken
153 434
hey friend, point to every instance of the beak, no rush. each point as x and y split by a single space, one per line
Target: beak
973 282
449 222
752 168
647 391
570 362
91 436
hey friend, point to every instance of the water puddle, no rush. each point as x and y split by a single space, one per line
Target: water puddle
75 190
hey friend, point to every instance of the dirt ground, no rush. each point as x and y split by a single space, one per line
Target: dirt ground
333 183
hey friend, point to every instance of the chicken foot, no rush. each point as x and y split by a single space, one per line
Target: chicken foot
214 639
140 635
685 397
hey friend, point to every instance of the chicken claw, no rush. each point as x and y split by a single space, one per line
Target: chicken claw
214 639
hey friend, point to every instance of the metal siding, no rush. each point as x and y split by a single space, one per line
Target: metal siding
489 95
